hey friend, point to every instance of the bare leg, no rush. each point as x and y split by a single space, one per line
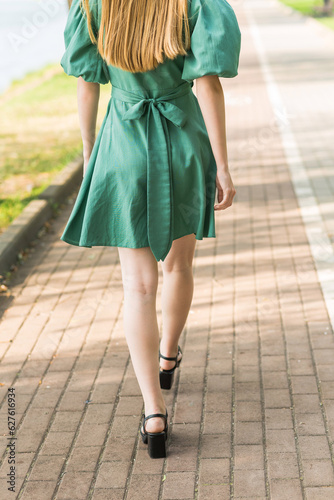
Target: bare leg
177 294
140 283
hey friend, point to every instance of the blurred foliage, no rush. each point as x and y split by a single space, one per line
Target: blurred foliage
39 135
311 8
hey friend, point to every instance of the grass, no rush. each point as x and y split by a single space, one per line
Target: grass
39 135
306 7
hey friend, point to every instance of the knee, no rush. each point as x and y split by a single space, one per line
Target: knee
178 267
145 286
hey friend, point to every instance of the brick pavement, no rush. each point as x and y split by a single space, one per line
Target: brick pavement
252 408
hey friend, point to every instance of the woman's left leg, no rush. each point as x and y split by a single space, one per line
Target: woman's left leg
140 282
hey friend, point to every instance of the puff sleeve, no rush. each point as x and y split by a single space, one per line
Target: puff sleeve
81 57
215 40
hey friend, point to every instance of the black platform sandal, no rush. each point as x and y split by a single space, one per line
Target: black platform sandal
167 376
156 440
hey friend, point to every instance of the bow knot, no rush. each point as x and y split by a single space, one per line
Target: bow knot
170 111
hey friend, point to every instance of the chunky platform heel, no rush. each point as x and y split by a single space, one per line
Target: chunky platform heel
156 441
167 376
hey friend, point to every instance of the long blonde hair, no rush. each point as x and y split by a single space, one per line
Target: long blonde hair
136 35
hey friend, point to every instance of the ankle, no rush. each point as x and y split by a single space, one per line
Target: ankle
168 349
157 406
155 424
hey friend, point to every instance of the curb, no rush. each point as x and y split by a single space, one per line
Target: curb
24 228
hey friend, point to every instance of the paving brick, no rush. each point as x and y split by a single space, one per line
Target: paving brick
91 434
248 433
74 400
286 489
248 456
214 404
273 363
83 458
192 375
306 403
247 391
275 380
125 426
186 434
313 447
105 393
75 485
215 422
247 373
119 448
179 485
214 492
278 418
279 440
36 419
26 385
248 411
214 471
47 398
39 490
182 459
301 367
99 413
319 493
144 463
249 483
318 473
327 389
282 465
82 380
329 408
325 372
144 486
47 468
66 420
277 398
215 446
219 383
310 424
57 443
304 384
112 474
219 366
28 440
129 405
108 494
189 408
194 358
323 356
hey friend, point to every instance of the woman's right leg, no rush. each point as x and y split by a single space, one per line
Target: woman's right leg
140 282
176 295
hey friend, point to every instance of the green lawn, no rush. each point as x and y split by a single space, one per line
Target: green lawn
39 135
306 7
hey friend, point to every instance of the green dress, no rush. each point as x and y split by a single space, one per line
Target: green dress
151 177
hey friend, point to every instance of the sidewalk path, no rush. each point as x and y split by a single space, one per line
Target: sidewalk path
252 409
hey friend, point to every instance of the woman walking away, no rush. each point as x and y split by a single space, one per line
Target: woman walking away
151 174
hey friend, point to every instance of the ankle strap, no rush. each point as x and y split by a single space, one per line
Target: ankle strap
156 415
170 359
